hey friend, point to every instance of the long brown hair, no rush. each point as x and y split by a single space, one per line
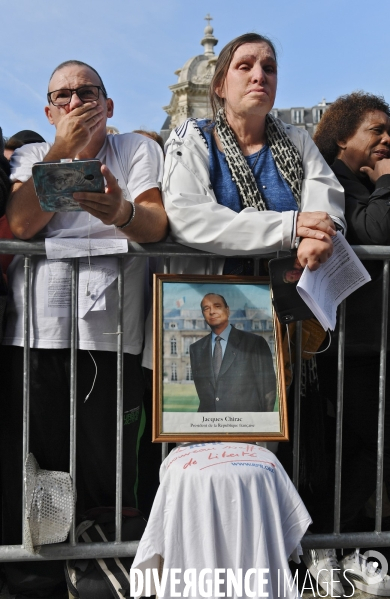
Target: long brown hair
223 64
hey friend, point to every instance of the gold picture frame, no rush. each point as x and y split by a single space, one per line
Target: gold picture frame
246 399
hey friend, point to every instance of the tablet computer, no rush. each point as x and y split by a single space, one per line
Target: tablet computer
56 182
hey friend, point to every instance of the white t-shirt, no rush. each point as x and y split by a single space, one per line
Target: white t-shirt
224 505
137 163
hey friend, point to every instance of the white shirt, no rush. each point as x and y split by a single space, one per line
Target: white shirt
137 163
224 505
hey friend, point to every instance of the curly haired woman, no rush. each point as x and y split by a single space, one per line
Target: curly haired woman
354 138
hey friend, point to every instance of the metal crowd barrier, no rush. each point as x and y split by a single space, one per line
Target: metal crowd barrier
119 548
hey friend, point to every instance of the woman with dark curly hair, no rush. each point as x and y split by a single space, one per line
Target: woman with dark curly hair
354 138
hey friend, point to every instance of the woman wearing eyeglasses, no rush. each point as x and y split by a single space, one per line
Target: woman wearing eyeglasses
244 182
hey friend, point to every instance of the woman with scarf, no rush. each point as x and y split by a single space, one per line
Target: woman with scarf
244 182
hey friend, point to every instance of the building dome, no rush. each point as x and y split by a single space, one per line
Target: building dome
190 93
198 69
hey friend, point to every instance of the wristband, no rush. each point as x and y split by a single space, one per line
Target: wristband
130 219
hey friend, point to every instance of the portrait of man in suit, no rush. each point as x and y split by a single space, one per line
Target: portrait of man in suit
232 369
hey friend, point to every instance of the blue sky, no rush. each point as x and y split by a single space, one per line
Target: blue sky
326 48
236 295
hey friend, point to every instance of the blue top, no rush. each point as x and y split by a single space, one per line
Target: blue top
274 189
224 339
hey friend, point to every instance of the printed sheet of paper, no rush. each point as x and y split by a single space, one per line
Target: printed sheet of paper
58 280
64 247
325 288
93 281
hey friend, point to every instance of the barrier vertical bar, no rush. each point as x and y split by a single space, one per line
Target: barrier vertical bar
297 402
164 446
382 395
256 267
164 451
167 265
26 377
210 265
119 404
73 386
339 418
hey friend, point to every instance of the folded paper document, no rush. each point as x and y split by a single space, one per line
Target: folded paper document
325 288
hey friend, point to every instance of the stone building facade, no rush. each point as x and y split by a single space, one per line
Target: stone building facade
305 118
190 93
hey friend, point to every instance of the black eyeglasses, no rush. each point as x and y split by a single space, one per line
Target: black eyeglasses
86 93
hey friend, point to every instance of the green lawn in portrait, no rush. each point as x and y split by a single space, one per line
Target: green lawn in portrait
183 398
179 398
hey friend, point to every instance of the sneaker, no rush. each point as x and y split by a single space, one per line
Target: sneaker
364 575
325 569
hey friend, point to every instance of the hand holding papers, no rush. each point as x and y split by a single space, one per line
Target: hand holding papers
324 289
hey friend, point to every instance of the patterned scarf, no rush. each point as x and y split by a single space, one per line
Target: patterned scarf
289 164
284 153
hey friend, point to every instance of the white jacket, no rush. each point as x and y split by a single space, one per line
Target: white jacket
197 220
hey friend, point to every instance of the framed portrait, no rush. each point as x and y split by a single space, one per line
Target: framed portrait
218 362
